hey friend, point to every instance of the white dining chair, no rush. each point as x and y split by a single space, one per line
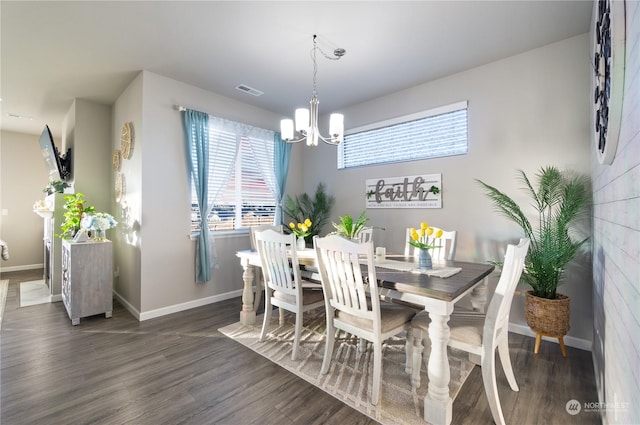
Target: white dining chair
365 235
259 228
283 284
446 246
480 335
353 303
257 298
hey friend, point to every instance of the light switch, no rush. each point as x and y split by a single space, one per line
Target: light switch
5 211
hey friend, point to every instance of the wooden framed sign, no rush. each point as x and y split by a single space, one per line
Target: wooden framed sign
423 191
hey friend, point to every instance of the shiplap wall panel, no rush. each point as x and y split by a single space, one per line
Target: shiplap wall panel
616 252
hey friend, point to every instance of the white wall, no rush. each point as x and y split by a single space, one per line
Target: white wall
23 176
616 246
525 112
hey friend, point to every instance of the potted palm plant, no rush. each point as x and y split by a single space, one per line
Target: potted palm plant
560 199
316 209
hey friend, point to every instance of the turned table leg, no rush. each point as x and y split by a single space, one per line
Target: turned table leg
438 405
248 314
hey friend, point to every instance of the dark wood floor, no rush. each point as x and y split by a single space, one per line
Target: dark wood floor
179 369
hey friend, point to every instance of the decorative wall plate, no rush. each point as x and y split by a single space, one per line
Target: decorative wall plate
120 187
608 81
116 160
126 140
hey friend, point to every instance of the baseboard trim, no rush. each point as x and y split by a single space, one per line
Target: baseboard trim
571 341
21 268
130 308
152 314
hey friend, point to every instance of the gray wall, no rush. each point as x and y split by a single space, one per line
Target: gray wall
23 176
155 255
525 112
616 247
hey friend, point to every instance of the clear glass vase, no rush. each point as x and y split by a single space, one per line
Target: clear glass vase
99 235
424 260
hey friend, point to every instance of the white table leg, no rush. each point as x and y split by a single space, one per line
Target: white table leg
258 293
248 314
438 405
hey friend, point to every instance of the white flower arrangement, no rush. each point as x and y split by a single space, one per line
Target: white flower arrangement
98 221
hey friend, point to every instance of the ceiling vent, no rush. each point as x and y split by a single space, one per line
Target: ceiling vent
250 90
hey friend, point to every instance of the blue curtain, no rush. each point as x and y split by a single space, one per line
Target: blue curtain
196 131
281 155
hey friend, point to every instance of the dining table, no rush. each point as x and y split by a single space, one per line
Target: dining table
400 279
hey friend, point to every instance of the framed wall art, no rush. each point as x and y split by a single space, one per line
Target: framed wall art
422 191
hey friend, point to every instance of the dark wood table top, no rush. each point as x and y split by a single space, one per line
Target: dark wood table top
446 289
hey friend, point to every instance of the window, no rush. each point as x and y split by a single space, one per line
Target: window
241 177
428 134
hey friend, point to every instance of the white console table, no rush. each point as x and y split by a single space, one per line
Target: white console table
87 279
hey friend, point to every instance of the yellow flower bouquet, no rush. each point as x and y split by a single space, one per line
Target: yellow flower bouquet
301 229
420 238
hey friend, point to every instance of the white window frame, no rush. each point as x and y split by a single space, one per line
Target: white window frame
377 156
237 174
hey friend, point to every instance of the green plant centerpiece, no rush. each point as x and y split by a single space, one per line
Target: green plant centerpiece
316 209
560 199
75 207
350 228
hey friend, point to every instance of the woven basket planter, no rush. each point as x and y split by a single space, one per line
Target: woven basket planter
547 317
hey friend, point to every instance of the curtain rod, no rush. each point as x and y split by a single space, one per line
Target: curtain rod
181 108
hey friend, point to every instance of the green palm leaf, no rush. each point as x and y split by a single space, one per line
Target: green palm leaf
560 200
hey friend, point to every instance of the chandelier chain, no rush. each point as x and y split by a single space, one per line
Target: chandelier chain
337 54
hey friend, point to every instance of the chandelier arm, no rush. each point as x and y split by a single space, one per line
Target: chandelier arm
302 139
330 141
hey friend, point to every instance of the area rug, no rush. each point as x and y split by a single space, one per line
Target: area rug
349 376
34 292
4 287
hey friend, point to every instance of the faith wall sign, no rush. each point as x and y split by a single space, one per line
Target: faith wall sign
423 191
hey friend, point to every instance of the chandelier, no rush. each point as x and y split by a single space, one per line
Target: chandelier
306 122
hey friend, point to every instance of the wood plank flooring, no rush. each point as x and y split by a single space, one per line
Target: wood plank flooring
179 369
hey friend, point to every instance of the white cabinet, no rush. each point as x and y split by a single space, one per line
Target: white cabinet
87 282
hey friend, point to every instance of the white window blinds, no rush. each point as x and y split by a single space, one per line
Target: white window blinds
239 189
429 134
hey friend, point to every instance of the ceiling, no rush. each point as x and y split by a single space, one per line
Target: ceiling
52 52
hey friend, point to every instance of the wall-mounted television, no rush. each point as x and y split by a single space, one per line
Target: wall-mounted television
58 166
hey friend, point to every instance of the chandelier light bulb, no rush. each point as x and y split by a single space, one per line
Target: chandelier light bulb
302 119
286 128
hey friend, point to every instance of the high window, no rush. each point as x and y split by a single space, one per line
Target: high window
241 177
429 134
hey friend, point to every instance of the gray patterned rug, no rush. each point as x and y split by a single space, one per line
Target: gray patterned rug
348 378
